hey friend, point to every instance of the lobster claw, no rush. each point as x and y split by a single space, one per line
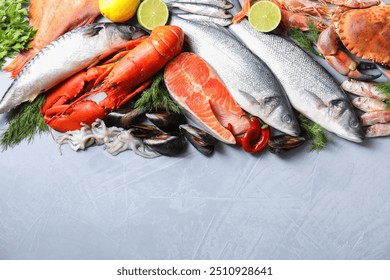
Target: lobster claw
67 117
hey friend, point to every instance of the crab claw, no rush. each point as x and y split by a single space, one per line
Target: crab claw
340 60
385 70
69 117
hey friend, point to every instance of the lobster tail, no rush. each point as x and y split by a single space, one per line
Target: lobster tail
168 40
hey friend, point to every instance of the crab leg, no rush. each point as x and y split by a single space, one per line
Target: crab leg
385 70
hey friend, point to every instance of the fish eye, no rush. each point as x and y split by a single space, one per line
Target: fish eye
287 118
132 28
354 123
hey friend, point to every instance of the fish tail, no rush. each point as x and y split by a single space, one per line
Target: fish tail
16 65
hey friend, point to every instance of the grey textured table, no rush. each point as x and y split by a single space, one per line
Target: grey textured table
90 205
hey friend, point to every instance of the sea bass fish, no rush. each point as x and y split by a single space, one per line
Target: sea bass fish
249 81
51 19
310 88
66 56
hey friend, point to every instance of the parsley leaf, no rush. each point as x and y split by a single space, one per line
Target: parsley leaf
15 31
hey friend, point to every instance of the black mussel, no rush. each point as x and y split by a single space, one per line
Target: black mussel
166 144
282 143
145 131
167 121
200 139
124 117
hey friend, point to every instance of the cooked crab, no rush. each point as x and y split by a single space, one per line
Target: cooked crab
364 32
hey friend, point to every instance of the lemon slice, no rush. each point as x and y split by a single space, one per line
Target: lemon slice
264 16
118 10
152 13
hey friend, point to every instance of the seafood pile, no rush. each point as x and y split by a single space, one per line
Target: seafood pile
373 103
233 84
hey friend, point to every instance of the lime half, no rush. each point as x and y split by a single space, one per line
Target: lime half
264 16
152 13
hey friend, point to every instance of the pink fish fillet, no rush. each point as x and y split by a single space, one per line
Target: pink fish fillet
52 19
194 85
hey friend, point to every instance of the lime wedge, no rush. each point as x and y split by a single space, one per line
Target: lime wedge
152 13
264 16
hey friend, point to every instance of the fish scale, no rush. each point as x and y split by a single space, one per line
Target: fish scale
310 88
250 82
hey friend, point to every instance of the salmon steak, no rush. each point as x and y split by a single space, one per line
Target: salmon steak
52 19
203 97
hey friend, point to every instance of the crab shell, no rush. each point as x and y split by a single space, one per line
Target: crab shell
366 32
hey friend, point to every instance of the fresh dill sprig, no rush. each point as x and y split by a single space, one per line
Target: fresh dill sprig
384 88
156 97
24 124
387 104
315 133
313 32
306 40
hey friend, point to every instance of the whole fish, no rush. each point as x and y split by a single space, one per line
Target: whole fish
199 9
223 4
375 117
368 104
249 81
201 18
51 19
310 88
377 130
364 89
66 56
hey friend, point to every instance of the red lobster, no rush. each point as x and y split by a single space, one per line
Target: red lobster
122 80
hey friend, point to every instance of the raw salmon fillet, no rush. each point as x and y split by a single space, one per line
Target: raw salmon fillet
52 19
196 87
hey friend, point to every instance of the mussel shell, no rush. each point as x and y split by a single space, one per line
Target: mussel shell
282 143
124 117
145 131
167 121
166 144
200 139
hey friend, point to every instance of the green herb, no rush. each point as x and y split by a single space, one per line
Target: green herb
384 88
15 32
313 32
387 104
24 124
157 97
315 133
306 40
